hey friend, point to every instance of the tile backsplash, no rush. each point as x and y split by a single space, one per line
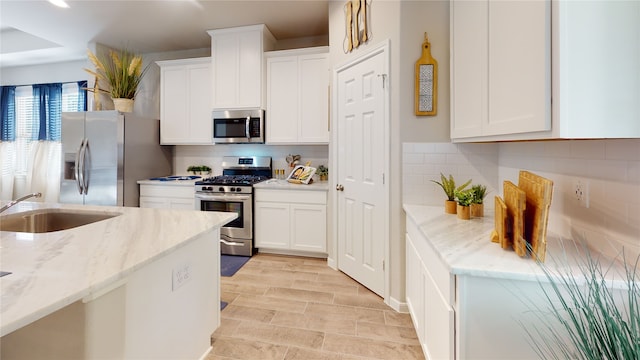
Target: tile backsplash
610 169
212 155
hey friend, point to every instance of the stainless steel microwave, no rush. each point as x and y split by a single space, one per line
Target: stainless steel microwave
240 126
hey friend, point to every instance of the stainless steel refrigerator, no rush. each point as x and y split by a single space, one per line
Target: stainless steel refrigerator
105 153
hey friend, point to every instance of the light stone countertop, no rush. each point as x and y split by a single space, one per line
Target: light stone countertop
465 248
53 270
191 183
285 185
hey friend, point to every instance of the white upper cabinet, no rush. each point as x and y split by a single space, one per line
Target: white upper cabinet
298 96
185 101
596 59
501 61
501 67
237 59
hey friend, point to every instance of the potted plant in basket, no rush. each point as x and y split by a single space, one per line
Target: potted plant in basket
122 71
477 204
464 198
449 187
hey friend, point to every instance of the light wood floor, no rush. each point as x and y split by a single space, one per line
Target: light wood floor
283 307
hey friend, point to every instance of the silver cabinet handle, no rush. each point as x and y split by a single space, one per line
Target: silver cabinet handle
339 187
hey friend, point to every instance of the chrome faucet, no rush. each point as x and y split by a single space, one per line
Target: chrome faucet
36 194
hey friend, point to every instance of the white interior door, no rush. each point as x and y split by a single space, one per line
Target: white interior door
361 156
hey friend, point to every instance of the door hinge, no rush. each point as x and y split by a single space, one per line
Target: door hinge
384 79
382 265
382 178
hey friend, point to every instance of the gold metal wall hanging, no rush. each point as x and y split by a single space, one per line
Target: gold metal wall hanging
357 28
426 85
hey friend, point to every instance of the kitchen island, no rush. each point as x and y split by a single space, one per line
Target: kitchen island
143 284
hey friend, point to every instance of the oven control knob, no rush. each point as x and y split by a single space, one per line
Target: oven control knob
206 188
235 189
221 189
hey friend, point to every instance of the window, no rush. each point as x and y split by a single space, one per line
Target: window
27 124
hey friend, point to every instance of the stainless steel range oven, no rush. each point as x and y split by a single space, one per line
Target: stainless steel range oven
233 192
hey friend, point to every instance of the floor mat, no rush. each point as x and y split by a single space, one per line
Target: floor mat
229 264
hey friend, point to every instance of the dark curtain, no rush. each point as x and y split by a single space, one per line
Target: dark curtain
8 113
47 110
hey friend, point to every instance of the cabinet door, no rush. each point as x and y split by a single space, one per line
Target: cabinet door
439 329
415 288
501 68
185 103
173 105
282 99
519 67
308 227
468 68
237 69
272 225
313 118
199 92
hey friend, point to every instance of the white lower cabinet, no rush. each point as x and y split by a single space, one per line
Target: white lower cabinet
291 220
466 316
431 310
167 197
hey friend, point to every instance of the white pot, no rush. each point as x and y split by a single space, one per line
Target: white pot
123 105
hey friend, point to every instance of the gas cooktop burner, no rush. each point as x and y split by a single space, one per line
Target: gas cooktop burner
232 180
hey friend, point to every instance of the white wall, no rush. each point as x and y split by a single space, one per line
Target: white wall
44 74
610 167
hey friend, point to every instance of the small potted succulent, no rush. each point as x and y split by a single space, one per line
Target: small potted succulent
323 172
464 198
477 204
449 187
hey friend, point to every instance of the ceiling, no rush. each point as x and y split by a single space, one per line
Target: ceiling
36 31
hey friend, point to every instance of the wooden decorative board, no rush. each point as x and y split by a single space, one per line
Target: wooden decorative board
538 192
501 223
516 201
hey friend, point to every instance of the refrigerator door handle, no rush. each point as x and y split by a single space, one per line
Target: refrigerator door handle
86 166
77 168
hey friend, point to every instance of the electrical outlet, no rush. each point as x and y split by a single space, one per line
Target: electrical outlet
180 275
581 192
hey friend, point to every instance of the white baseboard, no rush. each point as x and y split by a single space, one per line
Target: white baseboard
331 262
398 306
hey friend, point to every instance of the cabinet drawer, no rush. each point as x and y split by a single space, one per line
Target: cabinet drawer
292 196
167 191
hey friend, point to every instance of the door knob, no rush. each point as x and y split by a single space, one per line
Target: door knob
339 187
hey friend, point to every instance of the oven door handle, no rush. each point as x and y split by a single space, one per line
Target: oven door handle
231 243
231 197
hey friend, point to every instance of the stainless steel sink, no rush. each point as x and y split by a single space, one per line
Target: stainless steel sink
50 220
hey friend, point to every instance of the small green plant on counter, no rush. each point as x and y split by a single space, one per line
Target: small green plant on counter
199 169
464 197
449 186
479 193
322 170
583 318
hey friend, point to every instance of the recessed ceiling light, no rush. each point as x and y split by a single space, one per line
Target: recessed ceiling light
59 3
